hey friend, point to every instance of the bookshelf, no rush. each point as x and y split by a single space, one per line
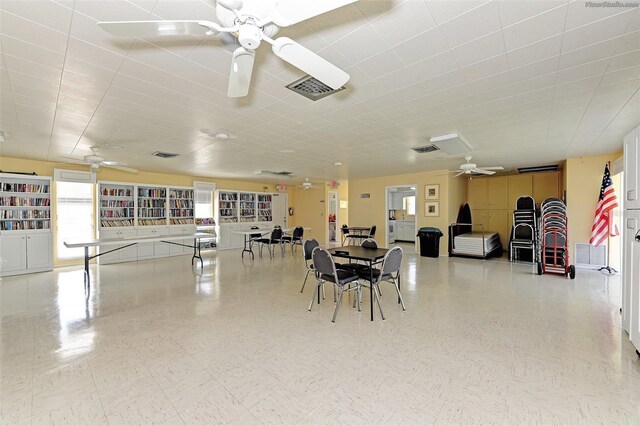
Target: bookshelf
265 208
116 205
25 203
181 206
227 207
247 207
152 202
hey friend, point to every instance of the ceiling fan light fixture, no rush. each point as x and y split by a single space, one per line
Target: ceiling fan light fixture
221 136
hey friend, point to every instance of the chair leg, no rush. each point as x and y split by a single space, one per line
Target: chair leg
305 280
375 295
399 295
282 249
335 313
313 296
323 290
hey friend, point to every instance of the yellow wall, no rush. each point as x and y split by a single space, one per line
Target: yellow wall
310 210
584 178
45 168
457 196
371 211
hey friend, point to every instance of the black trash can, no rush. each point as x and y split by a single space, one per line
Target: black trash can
429 241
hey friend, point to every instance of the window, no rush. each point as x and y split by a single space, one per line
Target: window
409 204
74 207
204 203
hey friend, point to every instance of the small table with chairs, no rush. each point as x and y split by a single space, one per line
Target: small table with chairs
357 233
271 237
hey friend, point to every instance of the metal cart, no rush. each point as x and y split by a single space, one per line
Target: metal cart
553 257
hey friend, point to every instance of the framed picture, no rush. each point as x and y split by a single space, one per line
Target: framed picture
431 208
432 192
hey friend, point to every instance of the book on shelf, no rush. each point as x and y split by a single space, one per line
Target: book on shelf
25 187
150 222
24 202
152 192
114 223
182 221
180 193
18 225
116 192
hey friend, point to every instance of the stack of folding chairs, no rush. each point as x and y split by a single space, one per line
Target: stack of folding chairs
525 229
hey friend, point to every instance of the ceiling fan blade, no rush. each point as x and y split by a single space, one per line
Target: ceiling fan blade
459 174
240 74
483 172
157 28
493 168
113 163
301 57
123 168
289 12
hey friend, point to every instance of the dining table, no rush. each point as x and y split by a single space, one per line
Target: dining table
359 232
370 255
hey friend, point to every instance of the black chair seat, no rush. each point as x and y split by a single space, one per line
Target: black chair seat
366 273
344 277
267 241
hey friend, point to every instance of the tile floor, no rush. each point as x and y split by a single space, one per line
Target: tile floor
481 342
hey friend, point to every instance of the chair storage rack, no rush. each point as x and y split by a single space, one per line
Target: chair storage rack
553 257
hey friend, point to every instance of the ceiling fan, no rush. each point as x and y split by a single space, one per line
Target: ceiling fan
96 161
251 22
469 168
307 185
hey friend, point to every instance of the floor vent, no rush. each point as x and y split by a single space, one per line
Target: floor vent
590 257
312 88
425 149
164 154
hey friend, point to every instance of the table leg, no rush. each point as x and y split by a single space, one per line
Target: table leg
371 288
247 243
197 254
87 277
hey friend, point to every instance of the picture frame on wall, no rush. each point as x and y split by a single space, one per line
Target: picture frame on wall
432 192
432 208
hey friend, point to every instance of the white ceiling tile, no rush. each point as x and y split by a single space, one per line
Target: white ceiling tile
86 29
415 18
535 52
86 69
464 28
445 10
478 50
629 42
94 55
185 9
582 13
110 10
596 68
43 12
33 69
361 44
624 61
430 68
334 25
22 29
492 82
537 28
512 12
596 32
588 85
421 47
381 64
535 69
486 68
536 83
588 54
31 52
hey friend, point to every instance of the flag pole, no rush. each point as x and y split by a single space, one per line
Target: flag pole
608 269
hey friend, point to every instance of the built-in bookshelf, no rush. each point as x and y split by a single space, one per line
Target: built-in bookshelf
265 208
227 207
181 206
25 202
247 207
152 202
116 205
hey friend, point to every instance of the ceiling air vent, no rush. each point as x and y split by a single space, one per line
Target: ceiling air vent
425 149
535 169
312 88
164 154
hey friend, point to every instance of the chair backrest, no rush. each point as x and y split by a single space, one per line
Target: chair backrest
276 234
345 229
307 248
523 231
369 243
323 262
372 231
255 235
298 232
392 261
525 202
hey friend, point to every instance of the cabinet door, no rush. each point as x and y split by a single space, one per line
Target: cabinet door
161 249
519 185
410 232
546 185
110 257
13 253
39 251
129 253
480 217
500 221
477 193
631 176
498 193
145 250
224 236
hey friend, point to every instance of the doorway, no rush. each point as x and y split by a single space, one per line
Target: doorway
280 207
401 219
332 217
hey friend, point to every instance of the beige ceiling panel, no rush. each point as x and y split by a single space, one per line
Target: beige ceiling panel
535 29
415 18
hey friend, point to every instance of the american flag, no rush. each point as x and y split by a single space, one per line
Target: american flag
603 222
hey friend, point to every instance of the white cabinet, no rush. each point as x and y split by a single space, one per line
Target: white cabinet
124 255
405 230
155 249
396 200
631 165
26 252
182 229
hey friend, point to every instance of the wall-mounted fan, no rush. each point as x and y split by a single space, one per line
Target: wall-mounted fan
470 168
96 161
251 22
307 184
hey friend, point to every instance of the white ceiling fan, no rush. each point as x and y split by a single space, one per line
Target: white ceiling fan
96 161
307 184
251 22
470 168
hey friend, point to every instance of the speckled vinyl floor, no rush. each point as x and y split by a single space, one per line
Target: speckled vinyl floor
481 342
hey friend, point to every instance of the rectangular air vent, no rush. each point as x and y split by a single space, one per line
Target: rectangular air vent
535 169
426 148
312 88
591 257
164 154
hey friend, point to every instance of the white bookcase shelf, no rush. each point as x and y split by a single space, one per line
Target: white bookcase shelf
181 206
116 205
152 201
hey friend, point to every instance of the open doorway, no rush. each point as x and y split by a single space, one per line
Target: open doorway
332 217
401 217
